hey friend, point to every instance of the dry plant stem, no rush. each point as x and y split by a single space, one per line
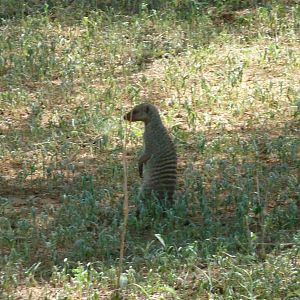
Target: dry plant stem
125 206
261 218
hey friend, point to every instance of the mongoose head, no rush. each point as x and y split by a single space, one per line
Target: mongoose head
143 112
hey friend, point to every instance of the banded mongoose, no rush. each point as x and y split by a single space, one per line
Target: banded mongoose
157 165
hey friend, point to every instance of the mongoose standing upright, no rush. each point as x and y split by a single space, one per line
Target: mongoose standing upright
157 165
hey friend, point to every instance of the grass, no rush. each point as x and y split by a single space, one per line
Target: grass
226 79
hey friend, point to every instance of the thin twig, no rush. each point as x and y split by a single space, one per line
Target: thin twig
125 207
261 217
